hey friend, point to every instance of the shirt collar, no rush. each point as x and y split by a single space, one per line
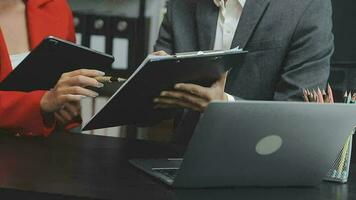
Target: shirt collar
218 2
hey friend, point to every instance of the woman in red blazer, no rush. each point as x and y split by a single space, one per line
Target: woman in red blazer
23 25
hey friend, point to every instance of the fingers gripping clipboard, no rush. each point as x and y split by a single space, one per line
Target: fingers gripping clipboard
132 103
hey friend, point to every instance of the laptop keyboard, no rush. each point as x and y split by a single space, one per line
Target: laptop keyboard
170 173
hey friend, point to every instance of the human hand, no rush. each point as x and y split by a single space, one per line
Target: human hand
71 88
68 113
160 53
192 96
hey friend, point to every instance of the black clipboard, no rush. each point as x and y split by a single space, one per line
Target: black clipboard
132 104
42 68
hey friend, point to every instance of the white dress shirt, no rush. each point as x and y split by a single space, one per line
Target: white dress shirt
229 16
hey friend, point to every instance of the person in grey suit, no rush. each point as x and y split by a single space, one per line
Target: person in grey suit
289 44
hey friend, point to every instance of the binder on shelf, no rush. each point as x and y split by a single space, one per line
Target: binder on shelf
122 41
81 33
99 29
122 37
128 40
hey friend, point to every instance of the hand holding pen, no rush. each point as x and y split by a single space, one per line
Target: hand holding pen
71 110
109 79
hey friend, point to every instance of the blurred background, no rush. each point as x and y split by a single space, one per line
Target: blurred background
127 29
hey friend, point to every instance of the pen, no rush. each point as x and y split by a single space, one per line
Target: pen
349 98
345 97
305 95
325 97
109 79
353 100
343 156
330 93
320 96
315 96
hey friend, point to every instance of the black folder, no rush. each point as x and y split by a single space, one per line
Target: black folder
99 31
81 28
132 104
123 29
42 68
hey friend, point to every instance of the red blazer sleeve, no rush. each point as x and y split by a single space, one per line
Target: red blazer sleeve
71 37
20 113
71 28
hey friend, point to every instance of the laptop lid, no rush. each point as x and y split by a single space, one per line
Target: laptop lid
256 143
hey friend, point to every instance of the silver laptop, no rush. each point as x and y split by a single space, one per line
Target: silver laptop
257 143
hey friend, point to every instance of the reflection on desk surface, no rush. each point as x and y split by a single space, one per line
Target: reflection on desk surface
327 191
88 167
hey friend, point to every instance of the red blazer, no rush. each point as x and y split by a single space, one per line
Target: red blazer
19 111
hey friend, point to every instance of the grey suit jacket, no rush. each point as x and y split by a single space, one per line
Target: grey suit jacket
289 42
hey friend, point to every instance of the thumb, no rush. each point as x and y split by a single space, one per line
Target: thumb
160 53
221 81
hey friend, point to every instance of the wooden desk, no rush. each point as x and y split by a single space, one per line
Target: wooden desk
86 167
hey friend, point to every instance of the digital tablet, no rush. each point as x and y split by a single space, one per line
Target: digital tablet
42 68
132 104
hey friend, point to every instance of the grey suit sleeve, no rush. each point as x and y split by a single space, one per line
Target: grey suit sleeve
165 37
307 63
164 43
